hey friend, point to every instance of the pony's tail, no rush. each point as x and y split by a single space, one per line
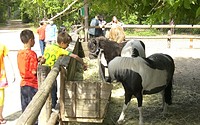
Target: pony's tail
169 88
168 93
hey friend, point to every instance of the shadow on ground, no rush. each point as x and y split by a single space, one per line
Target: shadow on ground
13 116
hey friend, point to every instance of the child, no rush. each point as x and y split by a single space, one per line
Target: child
52 53
3 80
41 33
27 65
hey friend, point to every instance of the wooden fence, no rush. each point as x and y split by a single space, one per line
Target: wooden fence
79 28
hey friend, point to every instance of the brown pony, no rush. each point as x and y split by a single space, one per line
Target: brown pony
116 34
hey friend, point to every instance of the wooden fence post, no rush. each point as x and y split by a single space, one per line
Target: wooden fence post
169 33
46 110
191 43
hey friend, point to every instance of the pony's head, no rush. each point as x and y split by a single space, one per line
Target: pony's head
93 46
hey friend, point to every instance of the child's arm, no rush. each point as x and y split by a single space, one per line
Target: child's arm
41 60
80 60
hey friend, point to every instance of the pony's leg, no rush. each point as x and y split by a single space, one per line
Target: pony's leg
127 100
140 116
122 115
167 97
139 99
164 105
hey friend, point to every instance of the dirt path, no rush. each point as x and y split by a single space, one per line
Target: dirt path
15 25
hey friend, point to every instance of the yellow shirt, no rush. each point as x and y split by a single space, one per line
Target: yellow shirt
52 53
3 53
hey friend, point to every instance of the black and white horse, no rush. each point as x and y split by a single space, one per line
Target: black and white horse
111 49
143 76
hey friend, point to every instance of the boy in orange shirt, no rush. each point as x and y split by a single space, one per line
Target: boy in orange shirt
41 33
27 65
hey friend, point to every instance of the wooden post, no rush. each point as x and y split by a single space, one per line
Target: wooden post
191 43
169 33
86 20
53 118
46 110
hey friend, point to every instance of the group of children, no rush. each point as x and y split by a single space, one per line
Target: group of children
27 61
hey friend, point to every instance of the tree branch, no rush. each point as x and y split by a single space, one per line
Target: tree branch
58 14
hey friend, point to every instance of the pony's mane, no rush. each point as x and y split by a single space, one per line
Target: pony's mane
106 43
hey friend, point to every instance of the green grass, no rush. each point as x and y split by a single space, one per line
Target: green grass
2 24
142 32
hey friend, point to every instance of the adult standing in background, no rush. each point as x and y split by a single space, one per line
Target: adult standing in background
115 22
51 33
41 33
94 32
102 23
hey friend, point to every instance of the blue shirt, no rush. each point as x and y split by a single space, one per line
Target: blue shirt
51 32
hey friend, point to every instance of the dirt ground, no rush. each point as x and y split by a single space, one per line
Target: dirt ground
186 94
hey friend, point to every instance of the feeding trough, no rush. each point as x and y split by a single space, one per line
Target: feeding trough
85 101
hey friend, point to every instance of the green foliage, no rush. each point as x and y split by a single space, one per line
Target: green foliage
25 18
142 32
148 11
3 11
198 12
127 11
131 19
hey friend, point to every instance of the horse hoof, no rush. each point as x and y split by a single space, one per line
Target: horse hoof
141 123
120 122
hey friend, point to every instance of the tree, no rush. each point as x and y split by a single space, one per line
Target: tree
129 11
150 11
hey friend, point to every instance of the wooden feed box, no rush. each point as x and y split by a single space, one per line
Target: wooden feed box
85 101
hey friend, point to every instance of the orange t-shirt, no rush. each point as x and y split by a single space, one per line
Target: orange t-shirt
27 64
41 32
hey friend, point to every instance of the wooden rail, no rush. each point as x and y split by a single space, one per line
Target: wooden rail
151 26
163 37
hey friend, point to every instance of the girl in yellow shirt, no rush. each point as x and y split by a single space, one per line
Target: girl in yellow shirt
3 80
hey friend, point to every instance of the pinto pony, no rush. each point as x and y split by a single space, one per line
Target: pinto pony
143 76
